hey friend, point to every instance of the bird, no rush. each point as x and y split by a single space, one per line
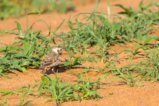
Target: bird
51 61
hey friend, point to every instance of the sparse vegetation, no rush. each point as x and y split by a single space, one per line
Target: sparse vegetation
94 35
58 91
24 53
152 71
97 31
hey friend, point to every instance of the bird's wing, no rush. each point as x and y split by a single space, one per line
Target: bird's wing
47 61
56 63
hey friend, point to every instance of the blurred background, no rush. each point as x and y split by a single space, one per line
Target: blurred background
23 7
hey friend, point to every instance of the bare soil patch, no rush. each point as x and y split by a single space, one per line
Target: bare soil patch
114 93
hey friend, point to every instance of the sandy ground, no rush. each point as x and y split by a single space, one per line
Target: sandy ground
114 94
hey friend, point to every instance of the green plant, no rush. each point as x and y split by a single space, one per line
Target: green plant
8 8
25 52
134 27
77 61
126 74
142 9
56 89
72 62
87 89
22 92
149 68
133 52
138 23
61 92
96 31
6 92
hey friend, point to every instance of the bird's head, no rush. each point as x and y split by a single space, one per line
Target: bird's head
57 50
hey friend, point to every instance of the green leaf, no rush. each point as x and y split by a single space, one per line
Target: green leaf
6 92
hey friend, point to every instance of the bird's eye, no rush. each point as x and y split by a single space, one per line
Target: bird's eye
59 51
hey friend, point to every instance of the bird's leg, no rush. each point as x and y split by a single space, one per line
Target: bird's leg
53 70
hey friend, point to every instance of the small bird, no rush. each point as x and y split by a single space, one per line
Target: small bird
51 61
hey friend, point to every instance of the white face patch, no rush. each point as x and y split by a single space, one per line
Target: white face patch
57 50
